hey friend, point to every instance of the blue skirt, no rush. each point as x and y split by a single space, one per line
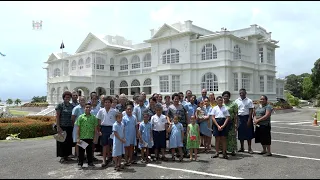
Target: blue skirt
224 131
245 132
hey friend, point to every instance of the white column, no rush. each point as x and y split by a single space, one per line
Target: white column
239 80
265 80
265 53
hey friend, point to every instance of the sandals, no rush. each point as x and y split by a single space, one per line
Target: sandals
117 168
127 164
263 152
63 160
250 151
241 150
267 154
215 156
233 153
133 162
104 164
181 158
164 158
173 158
225 156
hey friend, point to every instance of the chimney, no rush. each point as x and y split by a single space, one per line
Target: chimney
188 25
152 32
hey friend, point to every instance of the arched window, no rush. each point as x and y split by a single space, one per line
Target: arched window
147 82
237 52
124 87
111 64
56 72
135 62
112 87
147 60
123 84
147 86
74 65
135 89
209 51
88 62
209 81
135 83
170 56
80 64
124 64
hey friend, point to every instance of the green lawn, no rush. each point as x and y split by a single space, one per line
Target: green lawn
18 113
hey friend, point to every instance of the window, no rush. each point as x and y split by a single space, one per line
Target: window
209 81
99 63
111 64
171 56
235 82
261 84
270 80
123 84
111 87
147 60
175 83
246 81
209 51
88 62
124 64
80 64
147 86
164 83
281 91
73 65
277 89
135 83
56 72
270 56
237 52
261 55
135 62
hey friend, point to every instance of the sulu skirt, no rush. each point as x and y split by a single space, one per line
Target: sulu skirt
245 132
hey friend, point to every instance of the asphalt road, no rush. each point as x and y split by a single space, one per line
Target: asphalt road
295 147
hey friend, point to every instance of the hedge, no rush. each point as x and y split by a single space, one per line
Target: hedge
28 127
45 104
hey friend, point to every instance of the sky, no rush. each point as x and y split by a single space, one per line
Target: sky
294 24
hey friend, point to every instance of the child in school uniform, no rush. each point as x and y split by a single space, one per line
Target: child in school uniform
145 137
130 123
176 137
193 138
118 141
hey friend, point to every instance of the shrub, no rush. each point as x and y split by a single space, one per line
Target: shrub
45 104
28 127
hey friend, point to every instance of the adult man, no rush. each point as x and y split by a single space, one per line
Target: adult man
74 98
146 102
245 129
138 110
122 103
203 95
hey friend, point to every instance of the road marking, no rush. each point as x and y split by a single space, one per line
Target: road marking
295 134
294 128
195 172
290 156
299 123
290 142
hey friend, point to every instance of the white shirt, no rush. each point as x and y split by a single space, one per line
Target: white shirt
159 123
244 106
218 112
107 118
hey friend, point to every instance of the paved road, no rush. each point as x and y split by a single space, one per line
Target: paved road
296 149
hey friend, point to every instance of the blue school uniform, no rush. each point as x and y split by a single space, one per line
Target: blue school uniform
118 148
204 124
175 137
130 123
145 130
76 111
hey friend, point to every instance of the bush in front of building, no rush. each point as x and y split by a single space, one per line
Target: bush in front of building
28 127
43 104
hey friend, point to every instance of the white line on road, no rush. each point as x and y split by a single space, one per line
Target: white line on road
295 134
299 123
290 142
195 172
295 128
290 156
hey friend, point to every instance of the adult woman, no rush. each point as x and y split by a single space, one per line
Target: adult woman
233 122
262 120
64 123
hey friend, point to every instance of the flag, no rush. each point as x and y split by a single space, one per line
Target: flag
2 54
62 45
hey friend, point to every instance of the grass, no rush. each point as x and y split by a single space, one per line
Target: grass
18 113
37 138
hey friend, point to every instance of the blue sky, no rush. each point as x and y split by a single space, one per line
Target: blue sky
294 24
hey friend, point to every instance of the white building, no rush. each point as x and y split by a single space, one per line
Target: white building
176 58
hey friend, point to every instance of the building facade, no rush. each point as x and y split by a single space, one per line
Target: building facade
176 58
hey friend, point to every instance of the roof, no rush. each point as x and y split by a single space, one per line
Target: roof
162 28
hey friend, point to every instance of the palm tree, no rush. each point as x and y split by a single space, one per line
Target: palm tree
9 101
17 102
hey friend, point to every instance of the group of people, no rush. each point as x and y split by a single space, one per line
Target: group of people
122 128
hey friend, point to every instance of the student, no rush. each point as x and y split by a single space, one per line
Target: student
204 122
176 137
87 128
145 137
159 126
118 141
76 112
220 116
193 138
131 129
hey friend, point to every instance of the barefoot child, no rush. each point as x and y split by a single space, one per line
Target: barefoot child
131 129
176 137
145 137
87 128
193 138
118 141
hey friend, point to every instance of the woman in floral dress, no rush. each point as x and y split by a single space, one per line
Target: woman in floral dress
232 135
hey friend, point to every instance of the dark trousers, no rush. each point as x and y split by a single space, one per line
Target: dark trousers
64 149
88 151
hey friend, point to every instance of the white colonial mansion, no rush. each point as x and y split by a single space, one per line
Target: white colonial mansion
176 58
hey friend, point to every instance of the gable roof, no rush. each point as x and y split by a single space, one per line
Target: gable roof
163 28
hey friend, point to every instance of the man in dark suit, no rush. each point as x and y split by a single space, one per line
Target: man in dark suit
203 96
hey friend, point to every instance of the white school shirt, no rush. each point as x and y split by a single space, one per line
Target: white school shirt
220 112
159 123
107 118
244 106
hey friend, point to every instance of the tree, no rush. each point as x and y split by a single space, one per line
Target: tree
308 91
315 75
17 102
9 101
293 83
39 99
